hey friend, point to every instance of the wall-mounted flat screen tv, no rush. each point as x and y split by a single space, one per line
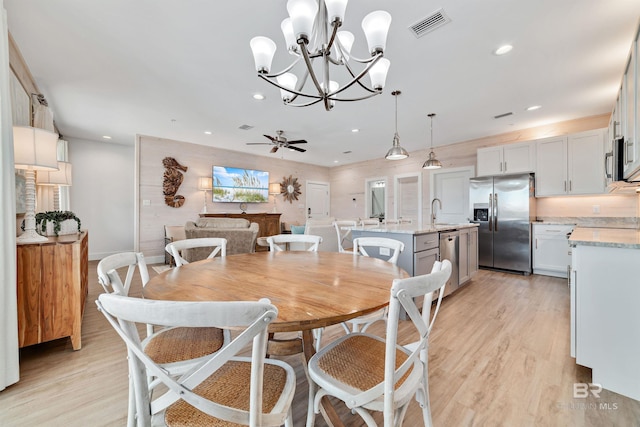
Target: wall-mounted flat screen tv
240 185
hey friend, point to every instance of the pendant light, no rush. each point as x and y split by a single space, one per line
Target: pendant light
432 162
396 152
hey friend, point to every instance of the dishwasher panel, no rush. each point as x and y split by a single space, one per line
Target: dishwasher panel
449 250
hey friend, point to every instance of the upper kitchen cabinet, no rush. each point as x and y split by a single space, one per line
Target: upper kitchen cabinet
570 164
631 116
503 159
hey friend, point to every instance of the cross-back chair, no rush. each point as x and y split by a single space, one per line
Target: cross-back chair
371 373
223 388
176 349
279 242
362 246
343 235
218 245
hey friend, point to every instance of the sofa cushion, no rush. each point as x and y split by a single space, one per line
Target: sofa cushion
297 229
223 223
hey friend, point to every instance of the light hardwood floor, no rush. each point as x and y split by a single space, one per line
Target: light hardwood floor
499 355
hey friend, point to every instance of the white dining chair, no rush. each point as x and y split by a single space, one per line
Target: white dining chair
221 389
176 349
344 233
218 245
360 246
280 242
370 373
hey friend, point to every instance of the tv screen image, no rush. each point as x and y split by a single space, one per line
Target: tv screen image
240 185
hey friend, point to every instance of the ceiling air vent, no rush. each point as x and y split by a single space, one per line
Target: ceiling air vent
499 116
245 127
435 20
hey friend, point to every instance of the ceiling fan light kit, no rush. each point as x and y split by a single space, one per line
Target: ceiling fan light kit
311 33
432 162
396 152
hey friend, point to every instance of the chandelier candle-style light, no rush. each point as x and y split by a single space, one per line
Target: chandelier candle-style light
311 33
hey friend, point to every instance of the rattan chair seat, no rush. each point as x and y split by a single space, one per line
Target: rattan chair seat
180 344
358 361
229 386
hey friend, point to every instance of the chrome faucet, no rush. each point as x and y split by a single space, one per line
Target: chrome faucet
433 211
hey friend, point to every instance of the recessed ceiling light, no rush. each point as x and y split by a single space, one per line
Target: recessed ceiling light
258 96
534 107
207 132
336 161
355 130
503 49
106 136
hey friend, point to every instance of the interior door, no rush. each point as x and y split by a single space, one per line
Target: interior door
317 199
408 196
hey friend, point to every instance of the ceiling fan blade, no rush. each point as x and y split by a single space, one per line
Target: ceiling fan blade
274 149
302 150
270 137
297 141
259 143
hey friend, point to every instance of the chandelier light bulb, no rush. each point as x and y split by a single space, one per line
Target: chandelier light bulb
289 38
302 14
336 10
287 80
346 41
378 73
263 49
376 26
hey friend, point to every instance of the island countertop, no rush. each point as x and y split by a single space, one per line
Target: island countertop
606 237
413 228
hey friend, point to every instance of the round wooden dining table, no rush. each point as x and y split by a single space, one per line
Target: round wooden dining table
310 289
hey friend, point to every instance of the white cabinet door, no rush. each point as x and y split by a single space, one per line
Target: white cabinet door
551 249
463 256
630 81
551 166
519 157
473 251
510 158
586 163
489 161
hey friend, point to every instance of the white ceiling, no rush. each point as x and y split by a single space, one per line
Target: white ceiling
177 68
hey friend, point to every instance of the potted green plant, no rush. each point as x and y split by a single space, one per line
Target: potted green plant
54 223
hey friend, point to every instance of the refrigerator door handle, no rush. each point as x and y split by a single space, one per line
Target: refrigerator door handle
495 213
490 211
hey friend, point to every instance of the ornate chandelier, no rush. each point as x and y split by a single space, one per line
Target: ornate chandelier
311 33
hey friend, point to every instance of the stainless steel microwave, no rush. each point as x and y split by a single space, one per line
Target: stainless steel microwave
614 162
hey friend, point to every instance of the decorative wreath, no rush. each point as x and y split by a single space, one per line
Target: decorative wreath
290 189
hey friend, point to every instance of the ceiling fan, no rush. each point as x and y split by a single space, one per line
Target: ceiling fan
280 141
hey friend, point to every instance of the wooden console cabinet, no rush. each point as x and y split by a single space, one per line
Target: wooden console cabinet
269 223
52 289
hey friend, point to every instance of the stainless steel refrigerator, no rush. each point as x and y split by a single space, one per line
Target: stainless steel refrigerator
503 206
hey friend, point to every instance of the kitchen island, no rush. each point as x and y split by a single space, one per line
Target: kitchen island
423 245
605 293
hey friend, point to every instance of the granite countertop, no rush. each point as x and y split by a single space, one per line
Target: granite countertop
606 237
413 228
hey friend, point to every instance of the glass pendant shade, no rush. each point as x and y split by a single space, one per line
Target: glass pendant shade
378 73
289 81
302 14
335 10
263 49
376 26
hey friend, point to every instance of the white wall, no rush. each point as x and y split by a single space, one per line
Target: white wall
102 195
